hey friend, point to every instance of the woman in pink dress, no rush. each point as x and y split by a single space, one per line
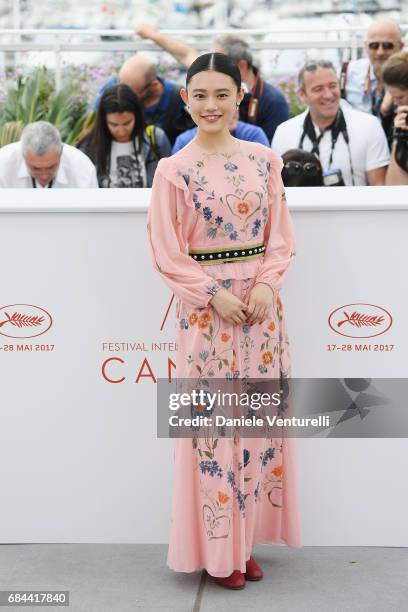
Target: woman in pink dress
221 237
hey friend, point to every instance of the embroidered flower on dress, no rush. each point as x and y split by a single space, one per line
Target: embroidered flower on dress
228 227
227 283
212 467
278 471
223 497
207 213
203 320
231 478
183 324
218 220
267 455
257 225
242 208
256 492
197 204
192 319
230 167
233 235
267 357
263 369
246 329
241 500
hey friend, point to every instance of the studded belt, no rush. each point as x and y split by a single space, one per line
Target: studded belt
228 254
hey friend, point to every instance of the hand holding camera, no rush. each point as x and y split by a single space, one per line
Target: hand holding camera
401 119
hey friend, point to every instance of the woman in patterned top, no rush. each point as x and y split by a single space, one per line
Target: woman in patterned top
124 151
221 237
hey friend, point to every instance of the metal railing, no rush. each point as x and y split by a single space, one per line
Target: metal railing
349 38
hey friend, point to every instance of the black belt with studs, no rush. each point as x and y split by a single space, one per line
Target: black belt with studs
228 254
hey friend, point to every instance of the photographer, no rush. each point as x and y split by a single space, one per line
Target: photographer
350 144
395 76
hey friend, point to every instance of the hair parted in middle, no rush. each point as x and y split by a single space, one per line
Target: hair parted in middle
119 98
219 62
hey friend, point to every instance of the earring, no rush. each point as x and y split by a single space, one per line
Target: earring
188 108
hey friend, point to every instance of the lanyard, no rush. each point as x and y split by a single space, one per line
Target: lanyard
335 128
35 186
338 127
376 94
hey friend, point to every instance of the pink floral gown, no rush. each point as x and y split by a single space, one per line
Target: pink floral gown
229 493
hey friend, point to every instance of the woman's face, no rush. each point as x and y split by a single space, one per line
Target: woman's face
121 125
213 98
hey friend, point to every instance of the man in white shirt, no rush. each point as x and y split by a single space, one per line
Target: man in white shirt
361 80
350 144
41 160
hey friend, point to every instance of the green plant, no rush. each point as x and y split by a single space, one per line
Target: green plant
34 98
10 132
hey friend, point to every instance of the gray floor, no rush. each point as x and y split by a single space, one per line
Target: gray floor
125 578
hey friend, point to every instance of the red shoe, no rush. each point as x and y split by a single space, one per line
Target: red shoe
235 581
253 570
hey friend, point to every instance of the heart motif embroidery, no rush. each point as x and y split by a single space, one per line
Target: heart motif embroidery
246 206
216 526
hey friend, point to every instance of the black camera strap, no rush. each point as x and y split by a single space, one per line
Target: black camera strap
337 127
34 184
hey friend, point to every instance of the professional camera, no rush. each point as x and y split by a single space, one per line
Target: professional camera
401 150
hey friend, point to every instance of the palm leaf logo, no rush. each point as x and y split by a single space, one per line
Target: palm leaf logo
20 320
358 319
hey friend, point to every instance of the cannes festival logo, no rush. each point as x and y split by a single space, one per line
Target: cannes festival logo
24 321
360 320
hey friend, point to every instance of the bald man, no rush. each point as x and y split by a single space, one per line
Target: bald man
162 104
361 79
263 105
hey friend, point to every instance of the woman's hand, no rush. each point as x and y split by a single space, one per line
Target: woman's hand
400 120
386 104
229 307
259 301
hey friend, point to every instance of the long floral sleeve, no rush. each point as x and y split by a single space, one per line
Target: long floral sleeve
278 233
168 245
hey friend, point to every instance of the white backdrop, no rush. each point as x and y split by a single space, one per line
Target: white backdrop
79 457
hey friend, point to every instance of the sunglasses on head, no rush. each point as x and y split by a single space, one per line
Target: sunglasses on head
387 46
294 167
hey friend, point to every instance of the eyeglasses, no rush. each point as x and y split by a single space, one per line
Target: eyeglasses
294 167
387 46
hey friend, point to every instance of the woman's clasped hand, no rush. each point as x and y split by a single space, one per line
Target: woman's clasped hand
254 309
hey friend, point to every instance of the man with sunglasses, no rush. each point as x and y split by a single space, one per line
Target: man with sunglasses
361 80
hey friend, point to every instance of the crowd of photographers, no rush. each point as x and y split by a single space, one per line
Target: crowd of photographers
353 131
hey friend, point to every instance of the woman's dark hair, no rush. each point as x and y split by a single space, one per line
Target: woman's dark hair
395 70
215 61
301 169
117 99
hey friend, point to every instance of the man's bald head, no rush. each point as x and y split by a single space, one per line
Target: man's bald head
138 72
385 27
386 35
